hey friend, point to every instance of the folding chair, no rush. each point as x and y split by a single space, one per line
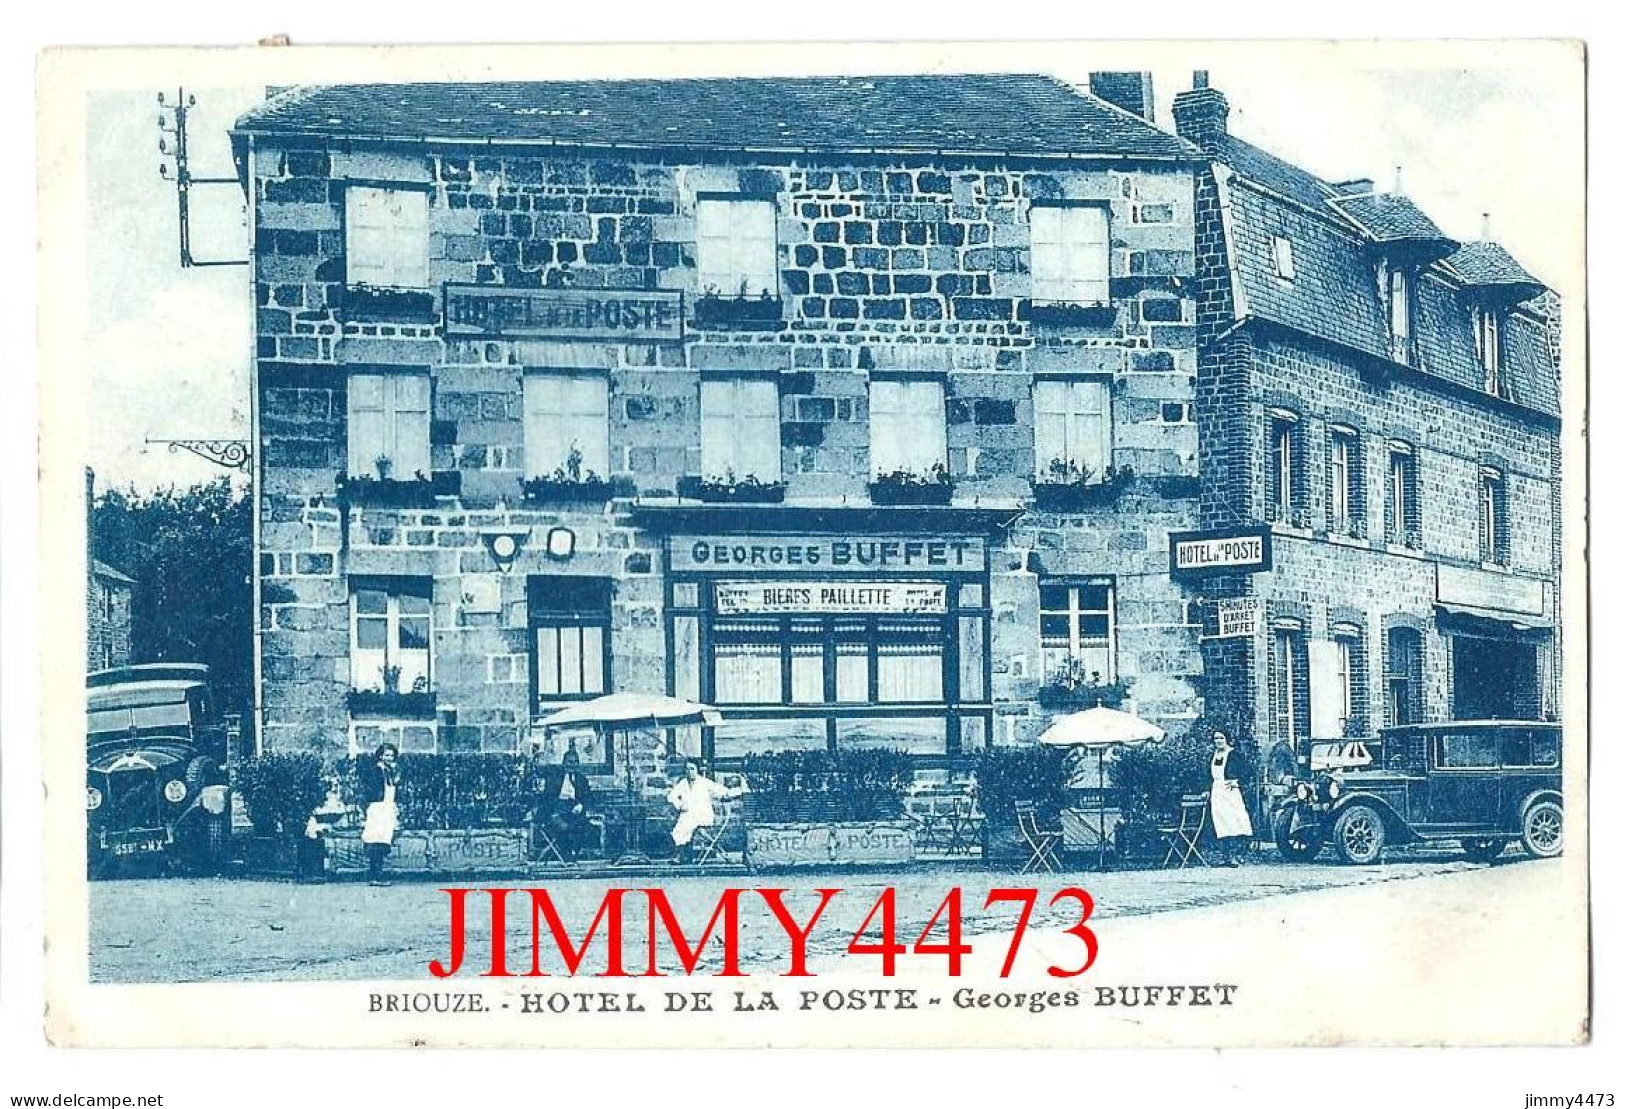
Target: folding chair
1042 841
708 843
1183 839
544 848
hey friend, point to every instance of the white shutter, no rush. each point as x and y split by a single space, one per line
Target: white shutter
368 439
1071 254
410 424
1325 690
887 452
386 236
737 243
756 406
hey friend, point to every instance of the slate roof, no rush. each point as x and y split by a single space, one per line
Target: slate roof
100 569
981 113
1334 296
1389 217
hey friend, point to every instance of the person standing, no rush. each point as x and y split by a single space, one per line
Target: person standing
380 777
1232 827
694 798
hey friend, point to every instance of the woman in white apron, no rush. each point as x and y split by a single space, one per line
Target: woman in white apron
379 778
1231 824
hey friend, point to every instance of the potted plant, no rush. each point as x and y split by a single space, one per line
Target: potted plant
1074 685
903 486
385 491
713 308
1067 485
569 482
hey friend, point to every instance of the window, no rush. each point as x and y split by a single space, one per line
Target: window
810 660
1399 314
1493 525
1176 412
738 246
1289 686
386 237
1345 471
1071 261
1404 676
569 628
566 418
1284 268
906 429
1077 628
739 428
1468 750
1530 747
1351 680
1403 521
1285 479
1072 428
389 425
1487 337
390 633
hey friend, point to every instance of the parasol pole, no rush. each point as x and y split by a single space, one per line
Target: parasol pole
1100 784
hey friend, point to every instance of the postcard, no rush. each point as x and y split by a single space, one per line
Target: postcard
1073 544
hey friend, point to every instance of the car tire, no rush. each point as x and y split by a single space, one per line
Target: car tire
1359 835
1296 847
1484 849
1542 836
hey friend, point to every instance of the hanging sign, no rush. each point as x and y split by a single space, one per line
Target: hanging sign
1238 617
1228 551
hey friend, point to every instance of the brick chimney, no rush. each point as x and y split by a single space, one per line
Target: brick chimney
1201 115
1128 91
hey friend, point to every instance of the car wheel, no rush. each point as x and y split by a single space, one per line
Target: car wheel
1543 829
1484 849
1296 846
1359 835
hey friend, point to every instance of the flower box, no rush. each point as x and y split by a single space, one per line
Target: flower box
486 851
903 487
1059 314
787 846
368 302
746 490
397 705
738 312
590 488
386 492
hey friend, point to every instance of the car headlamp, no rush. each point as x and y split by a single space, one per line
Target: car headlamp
93 797
1334 789
1304 793
175 791
213 799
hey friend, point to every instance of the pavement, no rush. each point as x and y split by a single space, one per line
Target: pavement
152 930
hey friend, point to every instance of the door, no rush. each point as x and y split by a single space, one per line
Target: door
1465 791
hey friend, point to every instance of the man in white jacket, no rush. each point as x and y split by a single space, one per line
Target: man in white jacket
693 797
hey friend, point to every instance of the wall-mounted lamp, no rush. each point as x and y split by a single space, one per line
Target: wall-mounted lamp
561 543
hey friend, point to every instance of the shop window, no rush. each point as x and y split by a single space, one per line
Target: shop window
813 660
1345 471
1284 267
1487 338
390 635
566 425
906 428
386 237
1404 676
389 425
1403 518
908 666
739 429
1072 429
1285 484
1071 254
1077 629
737 246
1399 314
1494 528
569 631
1289 684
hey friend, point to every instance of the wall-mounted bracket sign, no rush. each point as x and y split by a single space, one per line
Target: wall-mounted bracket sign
624 314
1192 554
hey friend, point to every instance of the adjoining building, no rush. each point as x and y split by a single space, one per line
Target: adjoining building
1383 401
860 407
109 600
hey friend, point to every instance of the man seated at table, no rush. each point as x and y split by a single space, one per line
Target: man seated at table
562 812
693 797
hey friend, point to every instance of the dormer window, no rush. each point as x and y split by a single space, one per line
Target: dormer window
1399 314
1487 337
1284 269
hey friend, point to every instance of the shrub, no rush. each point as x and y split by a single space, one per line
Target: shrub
1152 778
1006 775
439 792
906 487
281 789
818 786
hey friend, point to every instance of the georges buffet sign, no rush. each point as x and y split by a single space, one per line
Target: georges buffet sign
821 553
625 314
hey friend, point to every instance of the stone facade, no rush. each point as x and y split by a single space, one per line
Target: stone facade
887 266
109 595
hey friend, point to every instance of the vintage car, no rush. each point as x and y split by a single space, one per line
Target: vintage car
1479 783
156 785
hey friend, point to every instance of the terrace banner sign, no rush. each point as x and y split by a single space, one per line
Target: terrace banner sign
1194 554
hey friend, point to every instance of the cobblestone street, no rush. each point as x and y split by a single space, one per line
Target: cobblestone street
189 930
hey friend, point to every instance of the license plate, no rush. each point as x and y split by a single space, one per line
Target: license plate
138 846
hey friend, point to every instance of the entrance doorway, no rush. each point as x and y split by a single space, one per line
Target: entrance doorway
1494 679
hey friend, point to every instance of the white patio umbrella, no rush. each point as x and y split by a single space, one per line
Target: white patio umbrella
1100 729
625 711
